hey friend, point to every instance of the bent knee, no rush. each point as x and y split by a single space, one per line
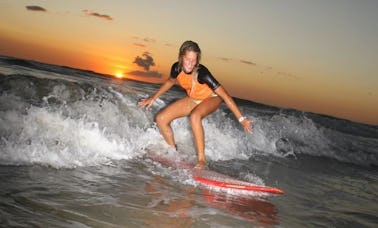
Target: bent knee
195 117
160 119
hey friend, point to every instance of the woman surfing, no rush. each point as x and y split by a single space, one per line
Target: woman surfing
204 96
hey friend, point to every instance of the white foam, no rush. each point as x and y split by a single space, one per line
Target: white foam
52 139
81 133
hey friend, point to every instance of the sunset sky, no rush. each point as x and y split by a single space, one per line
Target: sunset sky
312 55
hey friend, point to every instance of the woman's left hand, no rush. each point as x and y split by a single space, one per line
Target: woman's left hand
146 102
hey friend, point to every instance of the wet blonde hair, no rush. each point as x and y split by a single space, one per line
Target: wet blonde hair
189 46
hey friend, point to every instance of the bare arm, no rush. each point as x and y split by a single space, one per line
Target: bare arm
247 124
147 102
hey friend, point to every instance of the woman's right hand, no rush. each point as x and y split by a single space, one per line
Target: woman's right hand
247 125
146 102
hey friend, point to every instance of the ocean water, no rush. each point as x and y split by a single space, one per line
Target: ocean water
72 154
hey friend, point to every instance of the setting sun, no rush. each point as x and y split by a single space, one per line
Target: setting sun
119 75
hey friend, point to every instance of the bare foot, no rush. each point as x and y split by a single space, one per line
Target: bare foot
201 165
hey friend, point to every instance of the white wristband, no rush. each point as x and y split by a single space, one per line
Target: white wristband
241 119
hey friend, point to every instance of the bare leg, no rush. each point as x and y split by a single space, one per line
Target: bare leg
207 107
179 108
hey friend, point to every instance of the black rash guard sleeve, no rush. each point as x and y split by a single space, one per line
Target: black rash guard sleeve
204 76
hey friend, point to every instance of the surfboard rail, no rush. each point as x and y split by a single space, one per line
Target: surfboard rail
216 183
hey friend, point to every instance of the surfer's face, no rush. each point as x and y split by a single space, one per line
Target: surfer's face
189 61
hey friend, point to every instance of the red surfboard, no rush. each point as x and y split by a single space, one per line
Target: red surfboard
209 178
214 179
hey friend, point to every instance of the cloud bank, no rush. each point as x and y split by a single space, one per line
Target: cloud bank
150 74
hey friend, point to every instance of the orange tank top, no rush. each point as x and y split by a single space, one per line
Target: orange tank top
193 88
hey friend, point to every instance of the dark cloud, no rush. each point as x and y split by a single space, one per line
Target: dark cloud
224 59
149 40
248 62
241 61
150 74
145 62
288 75
94 14
146 39
36 8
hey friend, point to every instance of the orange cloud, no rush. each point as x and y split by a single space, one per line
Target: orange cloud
139 45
